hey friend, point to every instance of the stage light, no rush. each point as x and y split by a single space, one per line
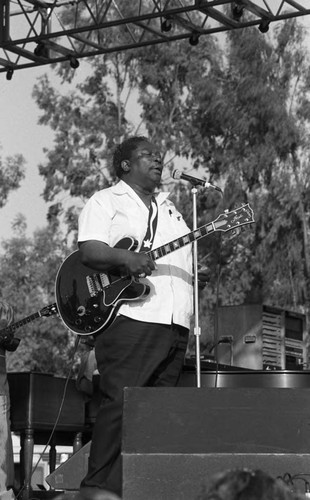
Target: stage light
237 11
74 63
264 26
194 38
41 50
166 25
9 74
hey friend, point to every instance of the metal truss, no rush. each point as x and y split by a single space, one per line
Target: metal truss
40 32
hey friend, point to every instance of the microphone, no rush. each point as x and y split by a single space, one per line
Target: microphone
194 180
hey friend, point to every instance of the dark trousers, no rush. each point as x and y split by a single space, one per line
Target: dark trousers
129 354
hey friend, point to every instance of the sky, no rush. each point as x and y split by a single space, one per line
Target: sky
21 133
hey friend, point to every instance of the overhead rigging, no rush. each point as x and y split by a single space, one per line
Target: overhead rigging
39 32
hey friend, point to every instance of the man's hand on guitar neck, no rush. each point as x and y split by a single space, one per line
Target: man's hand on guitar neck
10 344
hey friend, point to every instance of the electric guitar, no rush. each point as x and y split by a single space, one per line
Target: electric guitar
88 300
7 332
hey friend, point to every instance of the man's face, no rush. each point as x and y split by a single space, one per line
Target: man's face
146 166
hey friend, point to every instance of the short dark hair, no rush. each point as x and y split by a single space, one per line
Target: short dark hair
124 151
244 484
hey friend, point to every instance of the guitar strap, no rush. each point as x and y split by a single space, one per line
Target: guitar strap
151 227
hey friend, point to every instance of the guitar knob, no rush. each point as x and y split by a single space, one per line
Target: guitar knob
81 311
88 328
97 319
78 322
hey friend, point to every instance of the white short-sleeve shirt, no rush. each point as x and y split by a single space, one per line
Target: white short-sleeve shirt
118 212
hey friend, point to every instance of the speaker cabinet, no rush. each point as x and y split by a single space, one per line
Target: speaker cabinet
175 440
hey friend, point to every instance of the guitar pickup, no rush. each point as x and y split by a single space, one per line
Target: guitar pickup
96 282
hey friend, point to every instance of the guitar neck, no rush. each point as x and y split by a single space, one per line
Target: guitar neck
224 222
46 311
182 241
22 322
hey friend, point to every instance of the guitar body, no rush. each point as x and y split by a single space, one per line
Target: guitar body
87 300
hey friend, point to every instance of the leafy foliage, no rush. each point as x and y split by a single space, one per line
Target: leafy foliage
12 171
28 271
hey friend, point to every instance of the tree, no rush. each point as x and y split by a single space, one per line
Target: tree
88 123
12 171
28 271
283 221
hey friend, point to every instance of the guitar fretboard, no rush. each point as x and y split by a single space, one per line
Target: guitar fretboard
46 311
225 222
182 241
12 328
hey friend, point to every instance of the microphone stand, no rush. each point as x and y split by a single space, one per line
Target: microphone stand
197 330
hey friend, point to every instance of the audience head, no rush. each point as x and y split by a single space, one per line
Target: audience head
91 494
243 484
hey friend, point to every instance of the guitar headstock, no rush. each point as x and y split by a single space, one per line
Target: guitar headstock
234 219
49 310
